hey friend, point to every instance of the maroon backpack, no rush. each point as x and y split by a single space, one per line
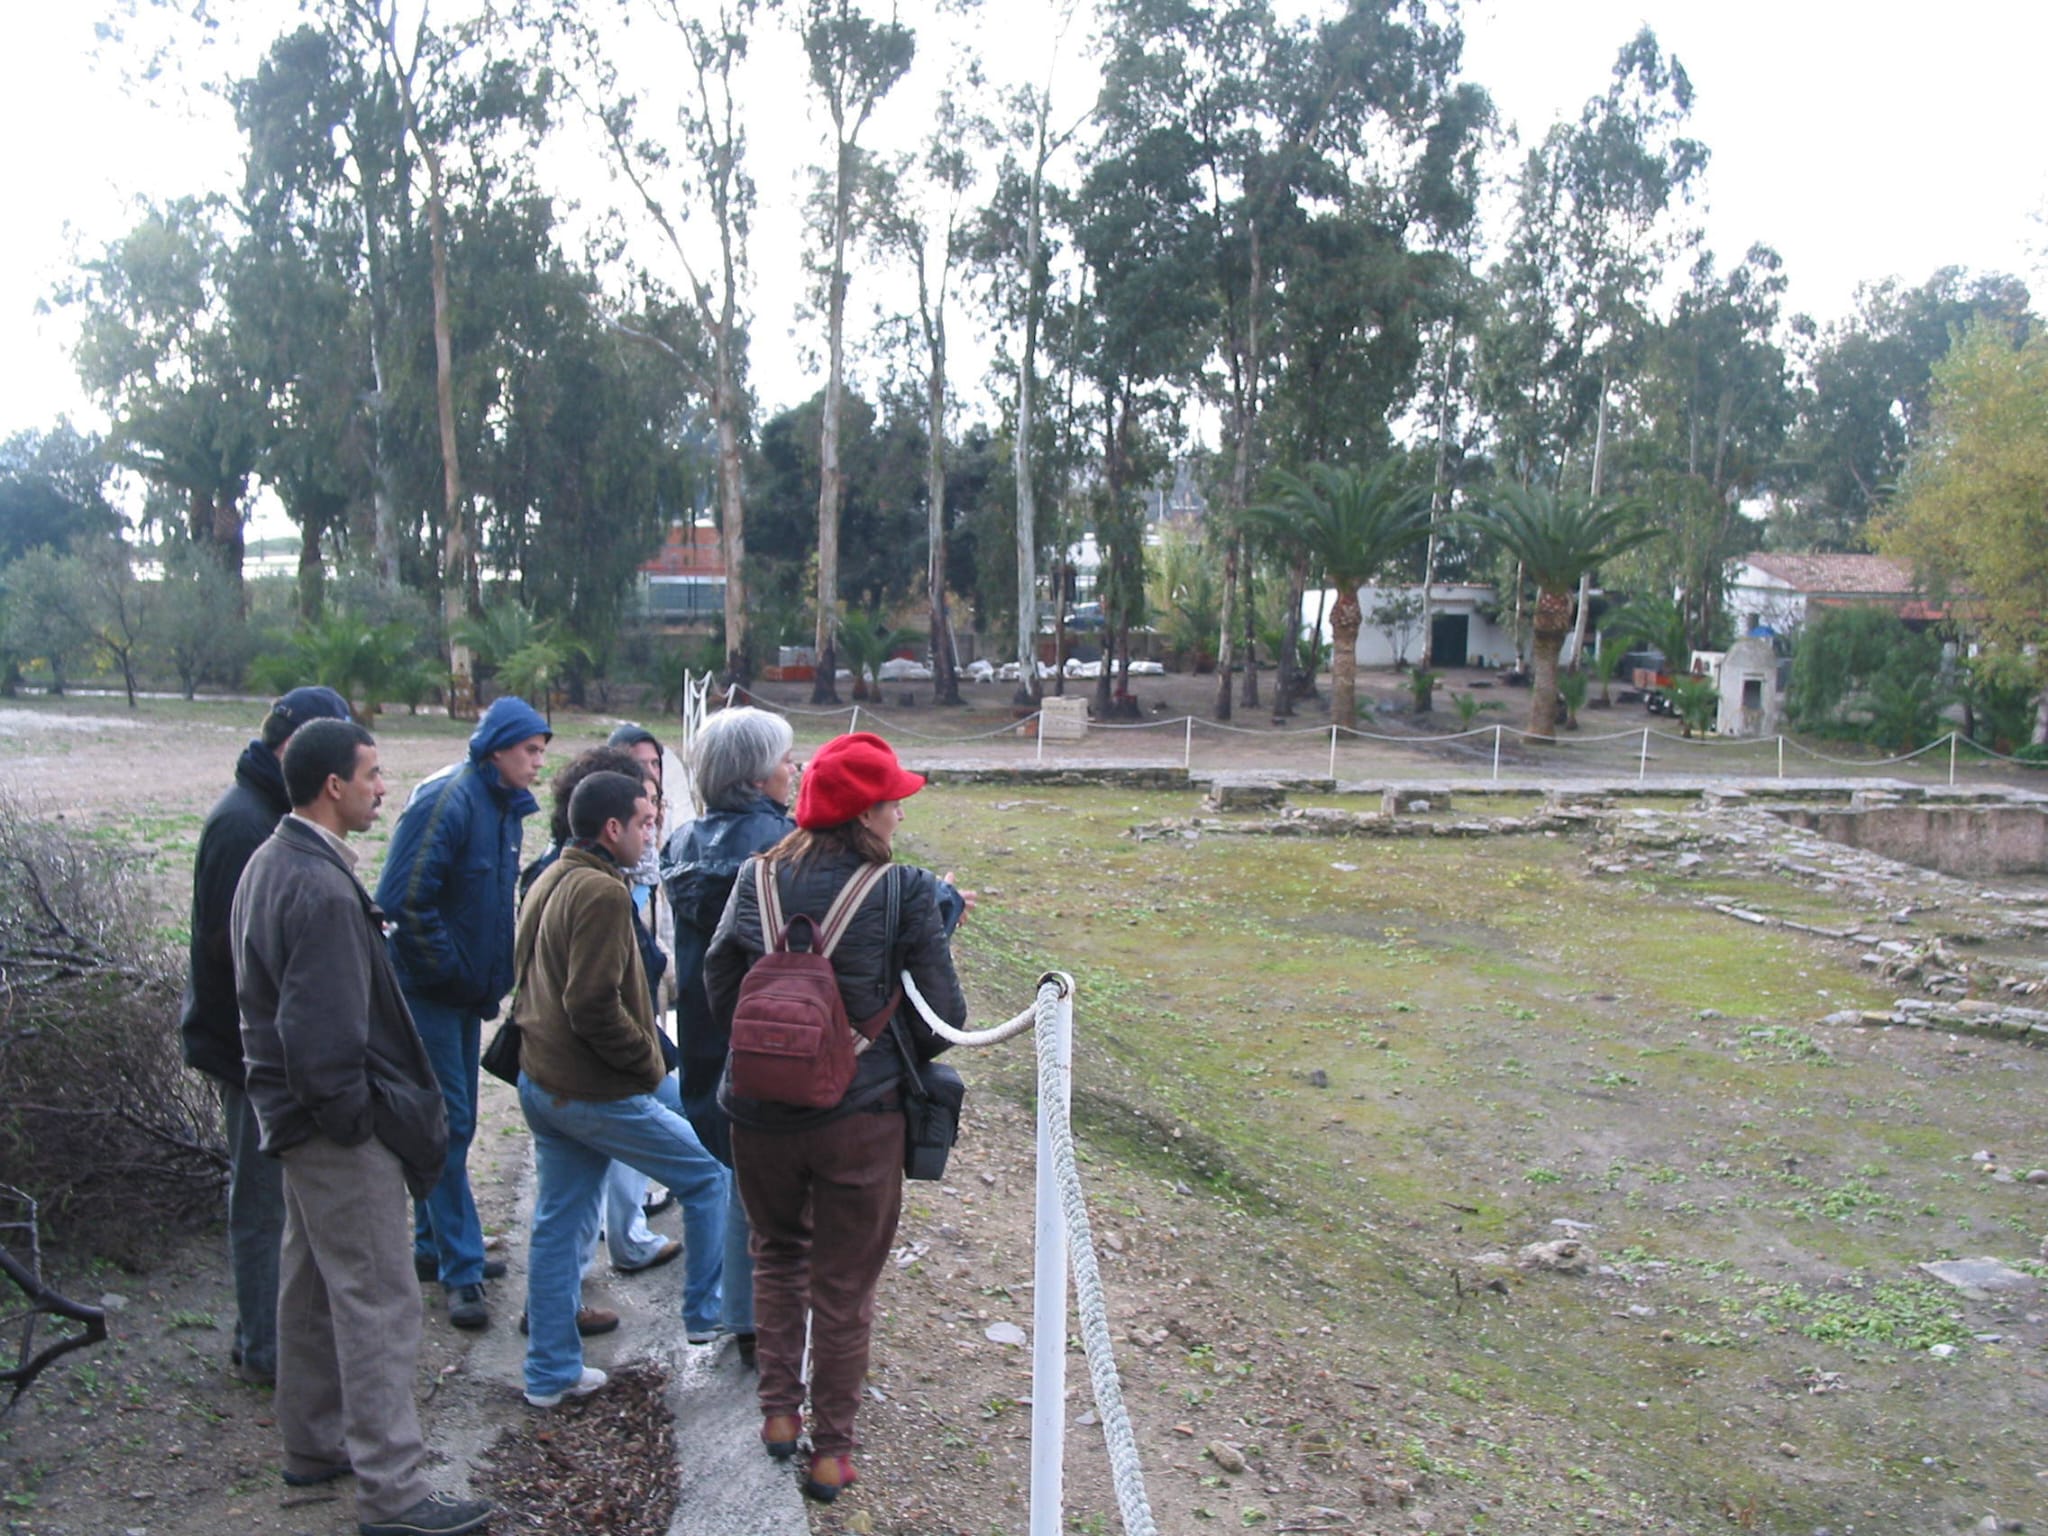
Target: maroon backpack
791 1040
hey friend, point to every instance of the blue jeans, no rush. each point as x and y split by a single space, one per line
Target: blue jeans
574 1143
632 1242
445 1226
738 1316
255 1233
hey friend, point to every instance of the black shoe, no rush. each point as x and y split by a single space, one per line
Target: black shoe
744 1342
435 1515
427 1267
466 1309
654 1208
314 1479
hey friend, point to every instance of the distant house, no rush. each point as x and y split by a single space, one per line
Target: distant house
685 582
1771 594
1464 626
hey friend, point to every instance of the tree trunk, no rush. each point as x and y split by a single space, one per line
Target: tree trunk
1248 696
312 573
1027 505
825 686
228 545
945 665
1225 626
1345 621
1552 624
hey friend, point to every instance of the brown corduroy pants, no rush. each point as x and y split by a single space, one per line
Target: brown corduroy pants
823 1205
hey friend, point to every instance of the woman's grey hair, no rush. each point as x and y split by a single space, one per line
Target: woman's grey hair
736 749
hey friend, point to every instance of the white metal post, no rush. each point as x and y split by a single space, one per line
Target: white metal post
1496 752
1781 757
1951 759
1039 727
1333 755
1187 747
855 726
1643 761
1049 1308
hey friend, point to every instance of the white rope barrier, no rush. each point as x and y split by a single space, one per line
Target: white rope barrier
1065 1241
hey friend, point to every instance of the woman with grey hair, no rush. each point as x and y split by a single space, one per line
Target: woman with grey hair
743 763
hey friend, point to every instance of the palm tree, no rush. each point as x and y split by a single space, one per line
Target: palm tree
1349 523
1557 540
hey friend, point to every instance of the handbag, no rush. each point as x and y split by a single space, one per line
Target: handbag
501 1056
933 1096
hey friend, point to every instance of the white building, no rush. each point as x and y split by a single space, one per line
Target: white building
1772 594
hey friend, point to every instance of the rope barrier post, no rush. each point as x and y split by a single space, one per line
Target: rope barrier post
1049 1304
1496 752
1951 759
1187 749
1038 730
854 727
1781 757
1643 761
1333 754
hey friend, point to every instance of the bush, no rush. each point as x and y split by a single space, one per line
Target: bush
98 1114
2033 755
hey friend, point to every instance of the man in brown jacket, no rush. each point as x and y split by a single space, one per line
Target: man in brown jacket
593 1086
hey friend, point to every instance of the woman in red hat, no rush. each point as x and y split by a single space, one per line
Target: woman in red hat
823 1187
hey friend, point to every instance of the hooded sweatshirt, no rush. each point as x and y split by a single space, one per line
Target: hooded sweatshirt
452 873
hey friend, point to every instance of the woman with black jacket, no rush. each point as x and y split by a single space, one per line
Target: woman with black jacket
823 1188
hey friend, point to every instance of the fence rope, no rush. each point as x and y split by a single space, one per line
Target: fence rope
1126 1472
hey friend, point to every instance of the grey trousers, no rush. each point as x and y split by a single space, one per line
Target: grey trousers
348 1323
255 1229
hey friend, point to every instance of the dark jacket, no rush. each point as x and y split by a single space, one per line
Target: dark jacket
697 871
452 872
329 1042
239 823
585 1011
867 962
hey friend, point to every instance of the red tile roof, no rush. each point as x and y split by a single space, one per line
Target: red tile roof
1838 575
689 550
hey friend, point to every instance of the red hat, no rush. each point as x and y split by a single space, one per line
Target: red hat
848 775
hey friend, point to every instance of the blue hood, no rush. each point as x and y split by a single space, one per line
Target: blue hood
507 722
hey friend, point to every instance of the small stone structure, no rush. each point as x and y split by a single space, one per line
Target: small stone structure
1970 841
1062 719
1749 690
1413 802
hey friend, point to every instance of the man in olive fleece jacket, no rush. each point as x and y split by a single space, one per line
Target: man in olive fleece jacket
592 1084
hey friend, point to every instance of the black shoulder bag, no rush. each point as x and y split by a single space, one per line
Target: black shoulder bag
932 1096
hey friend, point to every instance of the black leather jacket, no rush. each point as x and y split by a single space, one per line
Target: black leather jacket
867 963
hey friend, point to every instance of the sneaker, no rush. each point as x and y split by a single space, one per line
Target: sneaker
466 1307
662 1255
659 1203
435 1515
704 1335
588 1383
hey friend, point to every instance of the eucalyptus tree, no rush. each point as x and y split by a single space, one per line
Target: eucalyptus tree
704 335
158 347
1349 524
1713 402
1865 405
855 61
1558 542
921 218
1596 225
1353 117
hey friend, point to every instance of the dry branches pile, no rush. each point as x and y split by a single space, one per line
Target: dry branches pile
97 1109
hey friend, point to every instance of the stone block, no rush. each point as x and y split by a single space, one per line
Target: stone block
1063 719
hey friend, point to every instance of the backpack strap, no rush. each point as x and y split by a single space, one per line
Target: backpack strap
839 916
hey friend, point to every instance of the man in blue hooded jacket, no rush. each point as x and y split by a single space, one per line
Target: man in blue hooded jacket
451 878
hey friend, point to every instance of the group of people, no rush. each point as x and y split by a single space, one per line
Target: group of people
345 1033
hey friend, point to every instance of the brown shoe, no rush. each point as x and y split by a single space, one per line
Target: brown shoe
590 1321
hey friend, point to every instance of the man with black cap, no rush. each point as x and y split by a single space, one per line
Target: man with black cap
240 822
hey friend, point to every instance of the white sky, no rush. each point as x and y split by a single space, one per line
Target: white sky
1862 141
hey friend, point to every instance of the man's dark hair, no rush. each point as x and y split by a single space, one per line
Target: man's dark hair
277 729
604 797
579 768
317 749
